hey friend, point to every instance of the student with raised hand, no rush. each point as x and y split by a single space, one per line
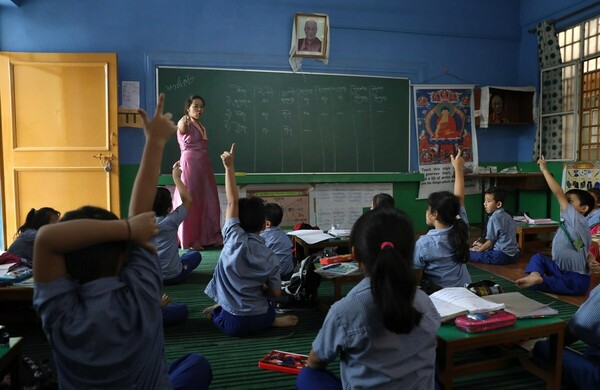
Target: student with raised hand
444 251
568 271
385 328
500 245
579 371
98 286
22 246
175 269
247 271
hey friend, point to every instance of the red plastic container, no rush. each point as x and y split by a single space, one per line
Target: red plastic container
481 322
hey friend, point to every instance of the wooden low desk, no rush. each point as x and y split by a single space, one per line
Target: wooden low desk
524 229
308 249
16 305
10 358
452 340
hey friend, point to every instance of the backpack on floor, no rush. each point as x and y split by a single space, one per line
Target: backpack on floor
303 285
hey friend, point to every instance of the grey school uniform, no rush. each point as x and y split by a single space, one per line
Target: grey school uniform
372 356
23 246
502 230
434 253
166 242
245 264
563 252
279 242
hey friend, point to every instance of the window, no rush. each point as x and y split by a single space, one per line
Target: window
579 75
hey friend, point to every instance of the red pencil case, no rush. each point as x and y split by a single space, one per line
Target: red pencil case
481 322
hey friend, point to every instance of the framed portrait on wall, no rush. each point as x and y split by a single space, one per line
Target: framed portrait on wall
311 32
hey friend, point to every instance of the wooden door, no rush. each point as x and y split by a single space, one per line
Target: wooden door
59 133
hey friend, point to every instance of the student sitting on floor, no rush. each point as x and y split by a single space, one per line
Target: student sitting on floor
247 271
385 328
97 288
22 247
175 269
568 270
277 240
579 371
444 251
500 246
382 200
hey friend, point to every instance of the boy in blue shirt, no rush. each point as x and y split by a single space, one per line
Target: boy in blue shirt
247 271
276 240
500 246
175 269
568 270
98 285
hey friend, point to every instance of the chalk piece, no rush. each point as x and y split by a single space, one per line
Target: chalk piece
240 173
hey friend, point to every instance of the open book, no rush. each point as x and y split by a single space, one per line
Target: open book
538 221
521 306
452 302
310 236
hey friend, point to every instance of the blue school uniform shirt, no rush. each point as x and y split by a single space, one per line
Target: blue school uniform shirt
593 218
563 252
372 356
166 242
245 264
585 324
279 242
502 230
437 257
23 246
107 333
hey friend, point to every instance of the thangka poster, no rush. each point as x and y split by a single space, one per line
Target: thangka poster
444 118
581 175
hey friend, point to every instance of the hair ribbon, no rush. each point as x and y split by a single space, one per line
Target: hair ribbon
386 244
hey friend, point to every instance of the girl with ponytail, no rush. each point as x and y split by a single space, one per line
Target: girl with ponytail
23 245
444 251
385 328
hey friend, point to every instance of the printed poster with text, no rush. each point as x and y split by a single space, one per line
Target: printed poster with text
444 117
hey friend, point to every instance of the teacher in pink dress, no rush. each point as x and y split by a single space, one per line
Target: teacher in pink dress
202 226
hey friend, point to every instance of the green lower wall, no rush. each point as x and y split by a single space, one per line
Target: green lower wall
405 190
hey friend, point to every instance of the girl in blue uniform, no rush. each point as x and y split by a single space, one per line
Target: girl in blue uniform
444 251
385 328
23 245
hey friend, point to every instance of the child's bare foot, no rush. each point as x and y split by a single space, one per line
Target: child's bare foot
196 248
285 321
530 280
208 311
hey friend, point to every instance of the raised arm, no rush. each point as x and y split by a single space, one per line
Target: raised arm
186 198
230 186
553 184
54 240
157 130
458 162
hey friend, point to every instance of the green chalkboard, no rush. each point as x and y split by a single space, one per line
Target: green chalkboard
283 122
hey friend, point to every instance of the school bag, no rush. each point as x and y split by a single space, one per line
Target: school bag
304 284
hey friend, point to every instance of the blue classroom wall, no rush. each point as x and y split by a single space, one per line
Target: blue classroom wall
478 42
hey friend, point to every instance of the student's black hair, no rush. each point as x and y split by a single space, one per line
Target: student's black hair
447 207
273 213
252 214
498 193
189 101
96 261
585 198
162 201
393 285
383 200
596 194
35 219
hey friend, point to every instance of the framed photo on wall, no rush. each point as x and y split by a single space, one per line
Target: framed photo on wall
311 31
